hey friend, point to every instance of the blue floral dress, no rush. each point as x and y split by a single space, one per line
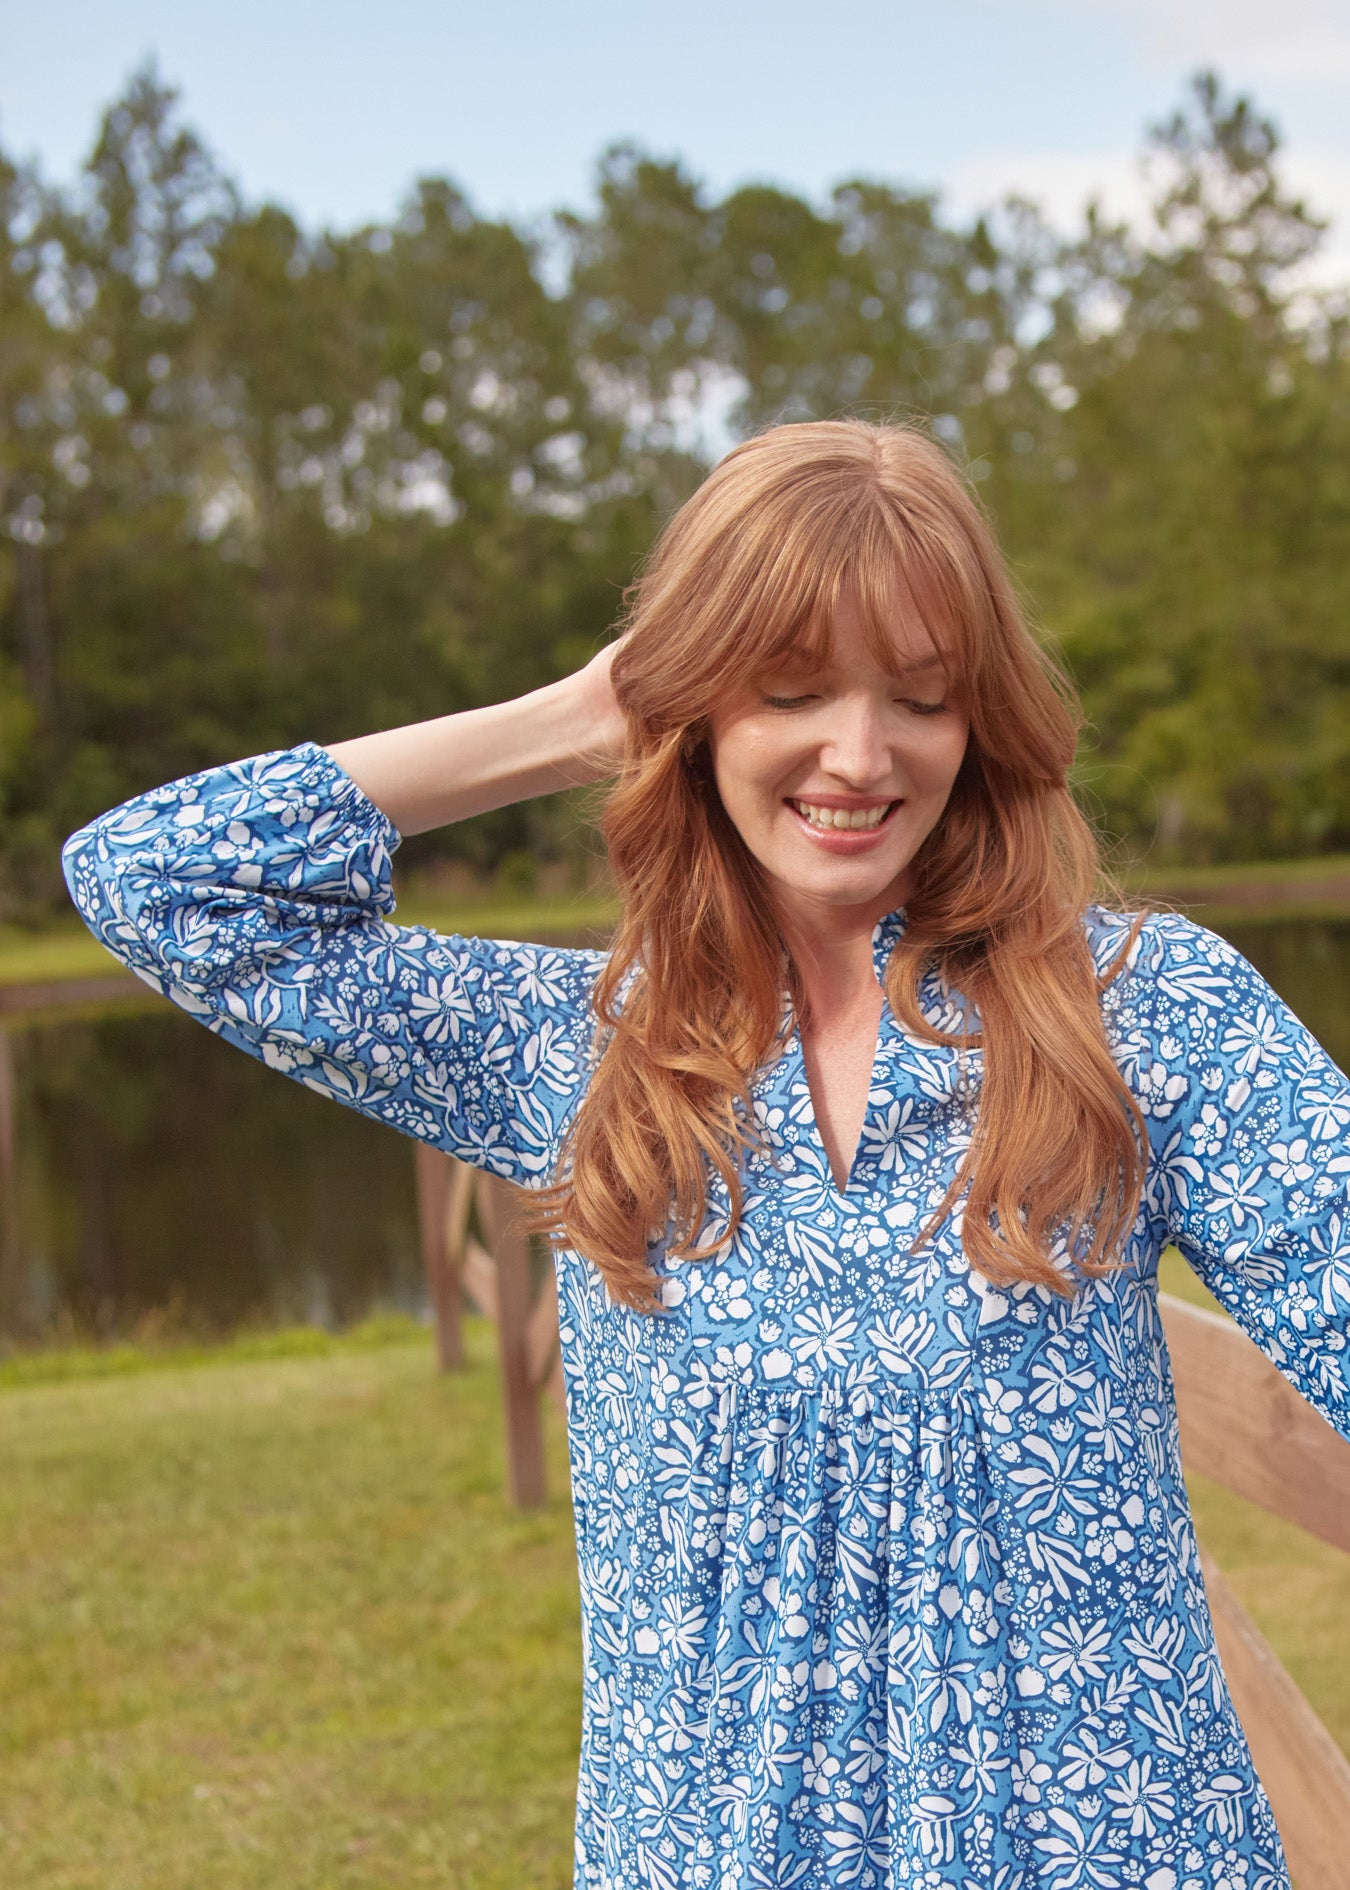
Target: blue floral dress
887 1577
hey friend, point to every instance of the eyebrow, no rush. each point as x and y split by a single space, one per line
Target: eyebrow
915 669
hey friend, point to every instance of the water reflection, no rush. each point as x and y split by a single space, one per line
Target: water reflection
163 1174
1309 965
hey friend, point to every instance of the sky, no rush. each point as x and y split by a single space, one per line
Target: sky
334 110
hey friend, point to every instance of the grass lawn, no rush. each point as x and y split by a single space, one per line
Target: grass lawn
1251 892
1236 874
64 950
267 1620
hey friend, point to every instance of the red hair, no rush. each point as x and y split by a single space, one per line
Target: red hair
690 1003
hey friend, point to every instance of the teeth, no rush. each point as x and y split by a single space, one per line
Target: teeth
857 817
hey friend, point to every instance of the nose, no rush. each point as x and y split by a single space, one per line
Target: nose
854 747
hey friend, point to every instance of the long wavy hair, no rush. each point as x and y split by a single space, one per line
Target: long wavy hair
691 1001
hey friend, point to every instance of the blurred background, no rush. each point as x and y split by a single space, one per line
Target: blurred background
345 376
350 359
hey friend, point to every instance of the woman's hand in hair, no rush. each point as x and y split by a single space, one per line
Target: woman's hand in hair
602 726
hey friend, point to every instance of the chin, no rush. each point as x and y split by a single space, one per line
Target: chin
845 888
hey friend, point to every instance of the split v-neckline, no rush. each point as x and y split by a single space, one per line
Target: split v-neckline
884 935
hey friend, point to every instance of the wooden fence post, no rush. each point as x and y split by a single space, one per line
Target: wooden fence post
11 1271
444 1194
497 1278
520 1402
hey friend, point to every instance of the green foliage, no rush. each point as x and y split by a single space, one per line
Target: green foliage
1188 518
261 483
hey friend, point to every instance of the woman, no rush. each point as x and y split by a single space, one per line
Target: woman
859 1150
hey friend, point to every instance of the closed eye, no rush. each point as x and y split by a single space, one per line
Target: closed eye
923 708
786 702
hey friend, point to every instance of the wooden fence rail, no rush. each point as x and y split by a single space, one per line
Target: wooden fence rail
1241 1423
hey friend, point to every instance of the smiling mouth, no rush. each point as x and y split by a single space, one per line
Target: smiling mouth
843 819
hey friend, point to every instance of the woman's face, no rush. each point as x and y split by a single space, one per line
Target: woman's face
834 776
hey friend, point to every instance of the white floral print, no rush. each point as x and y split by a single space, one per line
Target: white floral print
888 1576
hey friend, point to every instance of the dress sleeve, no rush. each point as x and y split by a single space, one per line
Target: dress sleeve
257 897
1249 1121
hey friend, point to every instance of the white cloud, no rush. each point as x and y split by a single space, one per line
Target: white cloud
1305 40
1062 182
1322 178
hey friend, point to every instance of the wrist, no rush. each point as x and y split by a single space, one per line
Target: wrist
590 727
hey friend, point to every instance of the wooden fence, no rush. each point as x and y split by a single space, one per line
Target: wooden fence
498 1279
1242 1423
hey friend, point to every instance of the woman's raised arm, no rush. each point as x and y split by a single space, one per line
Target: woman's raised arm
428 774
257 896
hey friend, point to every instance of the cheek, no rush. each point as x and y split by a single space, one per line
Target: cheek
729 781
941 761
747 765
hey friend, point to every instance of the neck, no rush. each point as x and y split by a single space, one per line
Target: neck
831 947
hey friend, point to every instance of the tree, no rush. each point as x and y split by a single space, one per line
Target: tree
261 483
1184 517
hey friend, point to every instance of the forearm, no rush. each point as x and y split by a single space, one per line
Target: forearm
258 897
202 885
428 774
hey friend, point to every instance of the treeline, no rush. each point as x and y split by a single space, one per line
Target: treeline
261 484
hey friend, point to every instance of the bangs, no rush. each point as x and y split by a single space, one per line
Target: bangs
903 584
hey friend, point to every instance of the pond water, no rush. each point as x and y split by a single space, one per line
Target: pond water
163 1175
